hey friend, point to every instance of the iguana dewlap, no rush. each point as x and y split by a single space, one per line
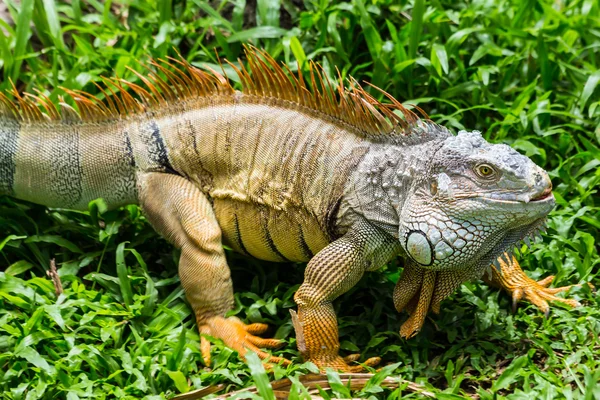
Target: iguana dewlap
284 171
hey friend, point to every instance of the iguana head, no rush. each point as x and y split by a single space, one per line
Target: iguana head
472 201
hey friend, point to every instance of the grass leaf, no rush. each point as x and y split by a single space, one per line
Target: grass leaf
589 88
124 282
21 36
260 377
510 373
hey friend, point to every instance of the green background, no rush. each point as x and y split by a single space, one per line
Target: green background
524 72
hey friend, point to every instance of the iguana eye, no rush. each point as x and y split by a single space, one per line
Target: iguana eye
485 171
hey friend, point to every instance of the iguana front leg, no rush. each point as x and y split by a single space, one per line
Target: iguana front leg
333 271
419 290
178 210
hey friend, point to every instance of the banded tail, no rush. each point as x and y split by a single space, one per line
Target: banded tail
9 134
66 164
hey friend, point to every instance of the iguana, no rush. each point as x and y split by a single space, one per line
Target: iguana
287 169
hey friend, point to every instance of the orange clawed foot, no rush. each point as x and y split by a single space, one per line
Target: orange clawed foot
240 337
342 364
512 278
539 294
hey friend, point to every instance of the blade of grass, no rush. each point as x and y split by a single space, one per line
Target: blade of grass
22 36
416 27
122 273
261 379
54 24
588 89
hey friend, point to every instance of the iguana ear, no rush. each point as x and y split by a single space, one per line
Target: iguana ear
419 248
417 244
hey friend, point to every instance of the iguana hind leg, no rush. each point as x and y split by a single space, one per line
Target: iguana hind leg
178 210
511 278
332 272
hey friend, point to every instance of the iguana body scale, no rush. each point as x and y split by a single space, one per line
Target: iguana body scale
285 170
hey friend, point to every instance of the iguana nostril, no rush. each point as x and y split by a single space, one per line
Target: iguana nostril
538 179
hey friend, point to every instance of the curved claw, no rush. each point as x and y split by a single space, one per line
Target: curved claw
512 279
352 357
342 363
240 337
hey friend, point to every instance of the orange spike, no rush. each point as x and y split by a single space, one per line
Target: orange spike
188 83
131 105
410 116
420 110
40 103
118 102
68 113
9 106
304 90
113 111
48 105
262 77
156 95
143 94
238 72
260 86
172 79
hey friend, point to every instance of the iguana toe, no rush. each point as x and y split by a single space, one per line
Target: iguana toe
240 337
352 357
257 328
412 326
342 364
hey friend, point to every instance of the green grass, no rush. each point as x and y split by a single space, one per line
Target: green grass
524 72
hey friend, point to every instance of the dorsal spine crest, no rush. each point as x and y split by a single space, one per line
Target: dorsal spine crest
265 80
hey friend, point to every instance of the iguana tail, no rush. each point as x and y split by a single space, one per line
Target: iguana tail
9 133
66 164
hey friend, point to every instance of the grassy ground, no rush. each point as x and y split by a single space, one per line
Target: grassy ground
525 72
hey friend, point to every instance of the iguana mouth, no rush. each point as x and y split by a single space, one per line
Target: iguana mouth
544 197
546 194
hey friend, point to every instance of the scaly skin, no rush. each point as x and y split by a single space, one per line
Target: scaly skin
282 172
414 288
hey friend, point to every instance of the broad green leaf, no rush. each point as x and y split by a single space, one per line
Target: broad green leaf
374 42
439 58
124 282
589 88
55 239
35 358
416 27
510 374
336 384
262 32
373 384
19 267
260 377
9 238
23 33
54 23
180 381
297 50
267 12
